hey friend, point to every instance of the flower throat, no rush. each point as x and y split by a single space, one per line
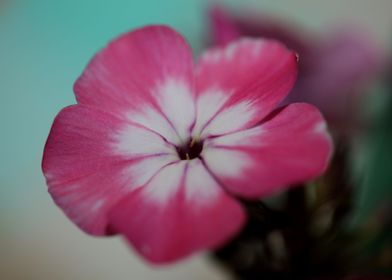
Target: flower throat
192 149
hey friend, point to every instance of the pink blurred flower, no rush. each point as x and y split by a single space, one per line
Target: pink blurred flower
334 69
157 148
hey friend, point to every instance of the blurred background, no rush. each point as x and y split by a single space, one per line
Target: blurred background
44 46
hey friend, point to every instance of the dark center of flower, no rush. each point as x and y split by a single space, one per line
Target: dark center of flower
192 149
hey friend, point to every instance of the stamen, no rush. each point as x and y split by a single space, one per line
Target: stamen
192 142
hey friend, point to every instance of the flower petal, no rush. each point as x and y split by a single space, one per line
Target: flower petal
147 72
290 147
180 211
223 26
89 165
227 26
252 75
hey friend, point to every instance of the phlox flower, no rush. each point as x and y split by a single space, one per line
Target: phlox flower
157 149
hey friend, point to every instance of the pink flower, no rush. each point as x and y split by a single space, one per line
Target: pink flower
156 148
335 69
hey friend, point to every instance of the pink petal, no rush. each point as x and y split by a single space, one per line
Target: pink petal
227 26
180 211
290 147
223 27
89 167
148 71
253 75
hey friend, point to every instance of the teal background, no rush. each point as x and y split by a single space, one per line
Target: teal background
44 46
